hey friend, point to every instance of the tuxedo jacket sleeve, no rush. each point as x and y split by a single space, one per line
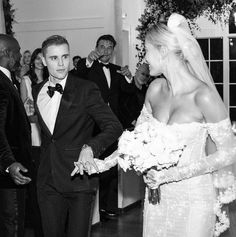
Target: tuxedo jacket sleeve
7 157
101 113
15 134
82 69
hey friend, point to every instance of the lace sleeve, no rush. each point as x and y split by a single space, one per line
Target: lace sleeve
225 141
112 160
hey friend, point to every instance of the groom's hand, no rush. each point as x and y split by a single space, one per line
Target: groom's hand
85 162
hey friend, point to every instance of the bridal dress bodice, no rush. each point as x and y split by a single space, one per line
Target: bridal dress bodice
188 190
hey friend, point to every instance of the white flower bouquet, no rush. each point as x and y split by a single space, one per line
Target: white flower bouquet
144 148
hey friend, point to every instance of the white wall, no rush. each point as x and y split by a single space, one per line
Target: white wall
81 22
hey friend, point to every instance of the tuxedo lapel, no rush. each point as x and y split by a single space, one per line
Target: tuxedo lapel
43 124
112 73
115 76
16 93
66 101
11 85
102 76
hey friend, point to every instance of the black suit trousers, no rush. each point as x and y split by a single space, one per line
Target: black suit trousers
12 212
66 214
32 207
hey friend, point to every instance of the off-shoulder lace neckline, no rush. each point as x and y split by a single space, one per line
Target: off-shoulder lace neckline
226 120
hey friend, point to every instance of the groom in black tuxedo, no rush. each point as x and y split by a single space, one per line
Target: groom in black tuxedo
15 144
68 109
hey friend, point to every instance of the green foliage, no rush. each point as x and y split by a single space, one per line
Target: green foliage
159 10
9 16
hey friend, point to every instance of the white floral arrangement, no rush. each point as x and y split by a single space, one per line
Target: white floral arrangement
144 148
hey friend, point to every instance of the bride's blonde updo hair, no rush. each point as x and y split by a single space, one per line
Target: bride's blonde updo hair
182 46
159 35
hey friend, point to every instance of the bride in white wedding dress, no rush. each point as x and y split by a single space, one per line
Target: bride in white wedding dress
185 102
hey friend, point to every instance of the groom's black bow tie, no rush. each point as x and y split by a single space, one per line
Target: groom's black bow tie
105 65
52 89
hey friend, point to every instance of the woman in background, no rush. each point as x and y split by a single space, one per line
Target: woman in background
36 74
25 66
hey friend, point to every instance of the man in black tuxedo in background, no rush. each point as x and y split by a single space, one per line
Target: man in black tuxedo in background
112 80
68 108
115 83
15 144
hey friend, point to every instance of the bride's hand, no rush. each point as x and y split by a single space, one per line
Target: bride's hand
85 162
153 178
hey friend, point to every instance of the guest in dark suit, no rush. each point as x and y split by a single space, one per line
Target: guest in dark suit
132 104
114 82
15 144
75 61
68 108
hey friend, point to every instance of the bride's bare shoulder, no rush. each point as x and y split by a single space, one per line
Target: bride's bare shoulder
205 94
156 85
154 89
210 103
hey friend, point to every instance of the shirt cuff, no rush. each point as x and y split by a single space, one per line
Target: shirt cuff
88 64
7 169
129 80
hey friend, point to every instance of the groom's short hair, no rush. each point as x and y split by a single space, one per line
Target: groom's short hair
53 40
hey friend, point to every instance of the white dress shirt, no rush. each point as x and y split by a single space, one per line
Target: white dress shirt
49 106
105 70
6 72
108 75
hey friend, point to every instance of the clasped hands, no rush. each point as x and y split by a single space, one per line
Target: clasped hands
85 162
